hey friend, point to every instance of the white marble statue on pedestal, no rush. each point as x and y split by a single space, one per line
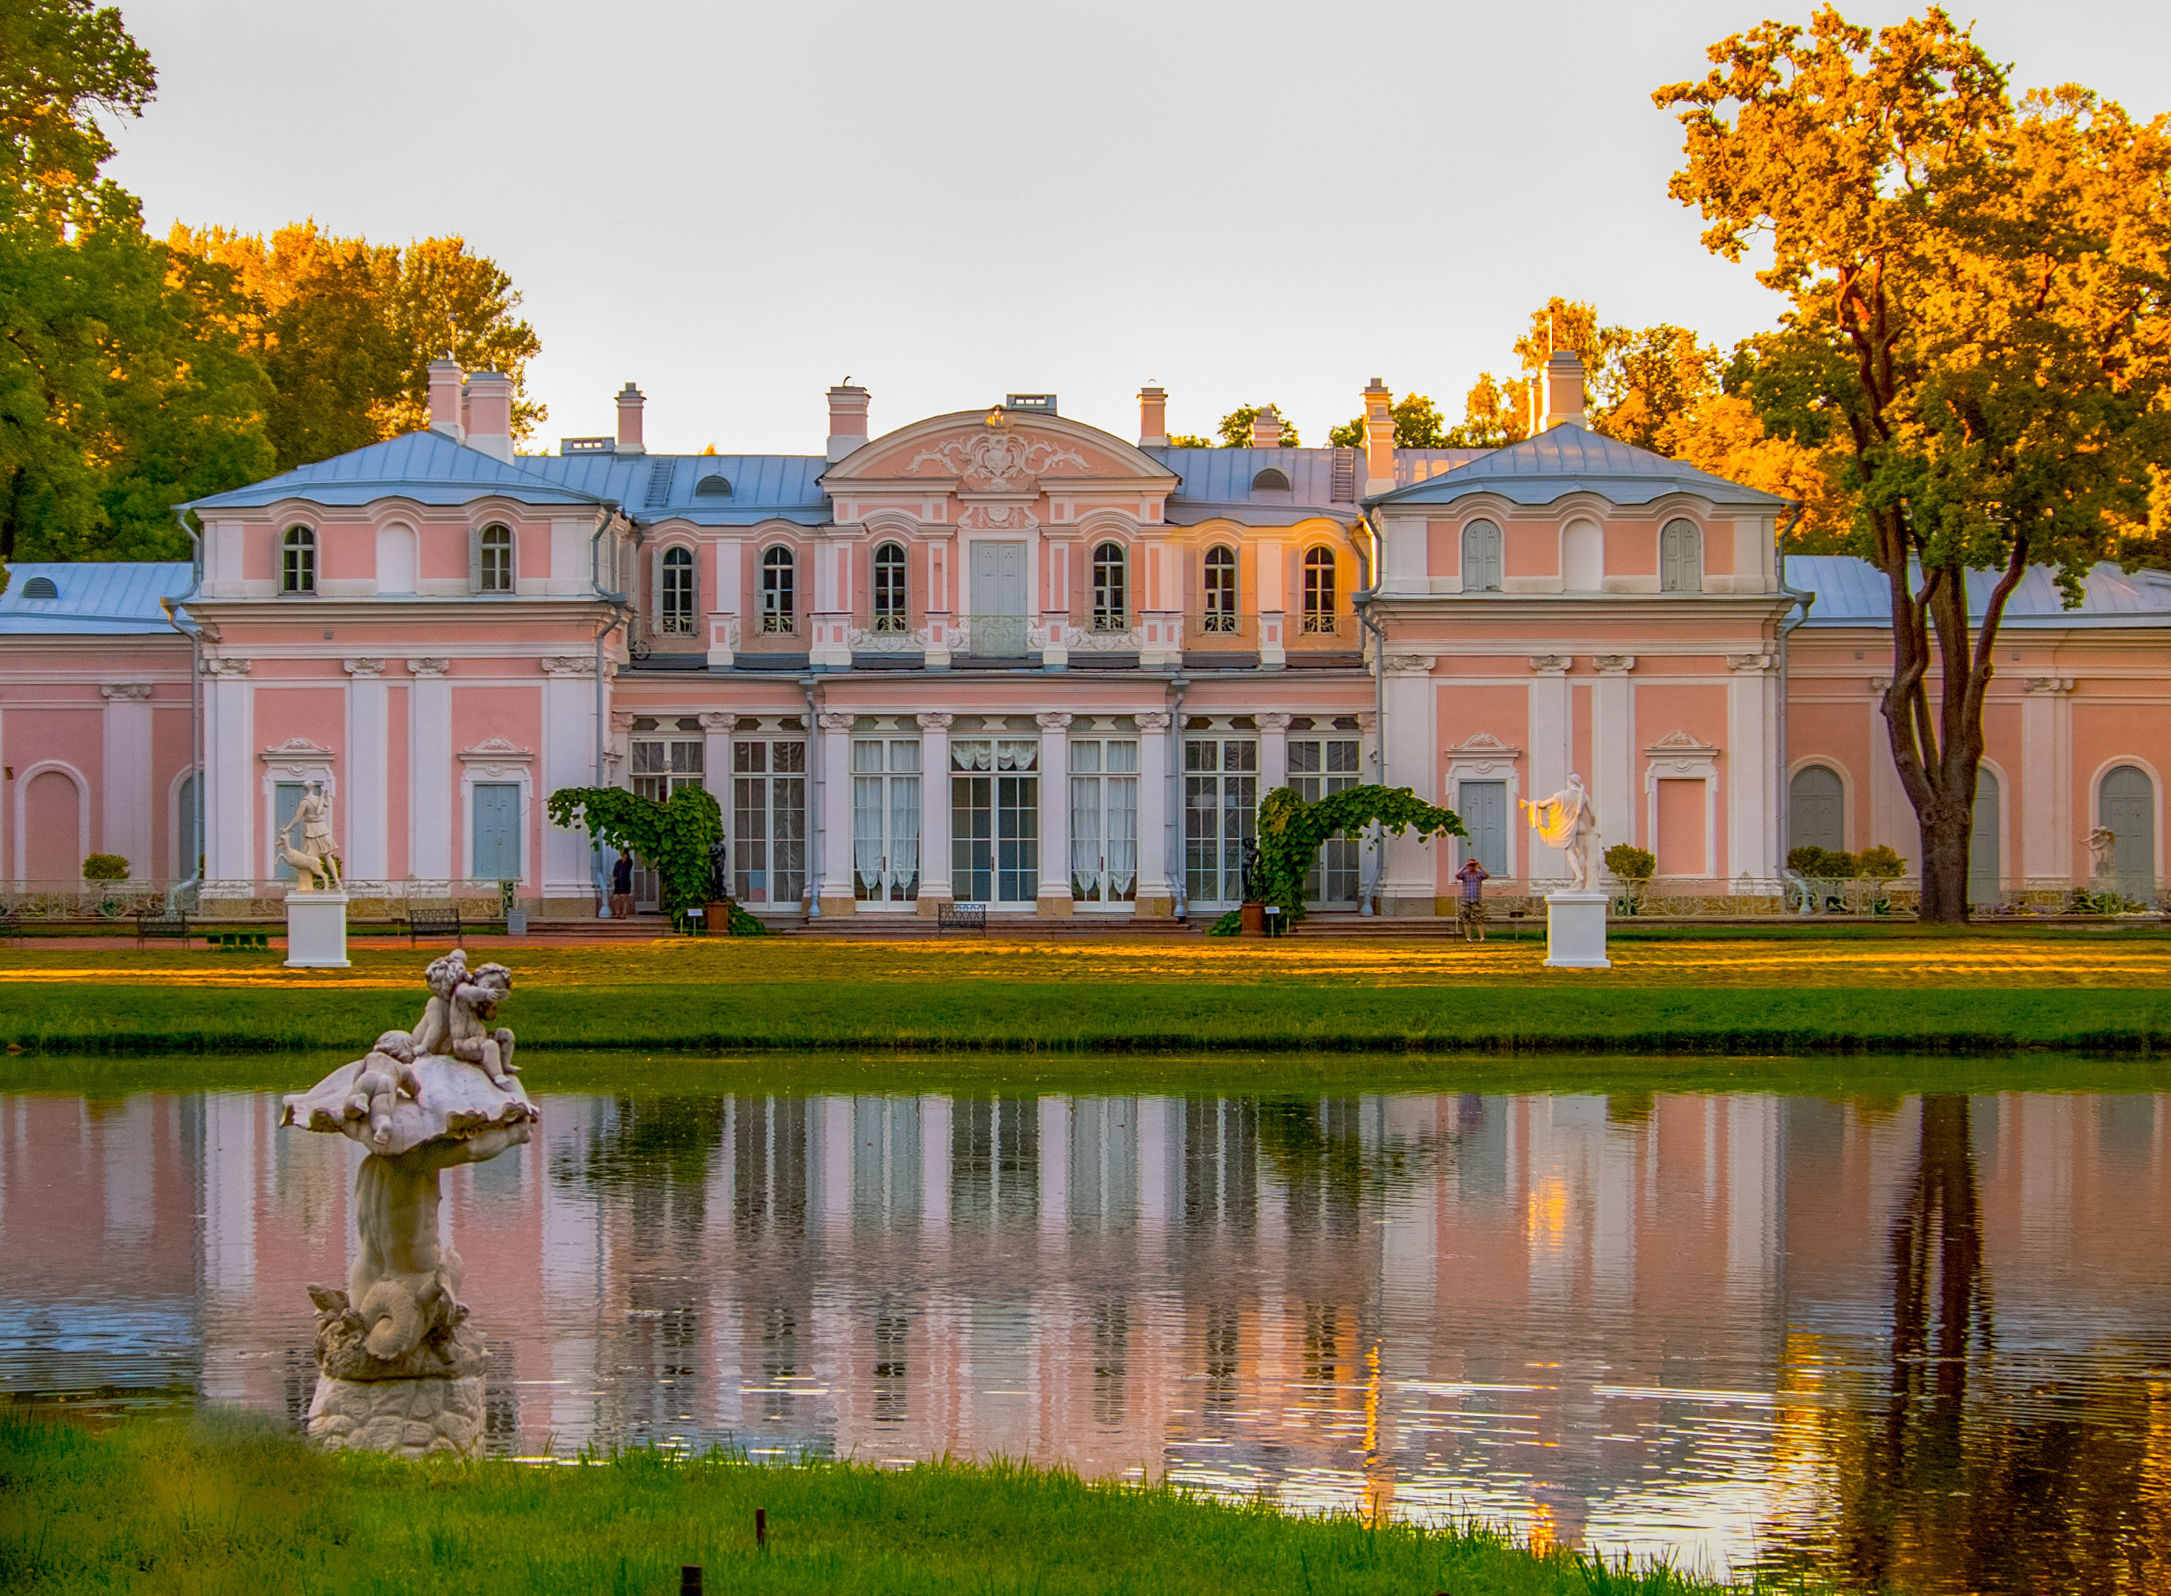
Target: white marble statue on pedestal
399 1368
314 855
1567 821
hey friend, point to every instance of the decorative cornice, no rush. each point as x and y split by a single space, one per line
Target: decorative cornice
429 667
717 724
226 666
1155 720
126 692
298 751
1408 664
835 720
1368 720
1680 742
2050 686
1747 663
496 756
1482 744
1551 664
362 667
621 721
1275 721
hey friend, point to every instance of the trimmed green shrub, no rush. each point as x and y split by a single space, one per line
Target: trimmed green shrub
1881 863
1229 925
1631 863
105 867
1827 863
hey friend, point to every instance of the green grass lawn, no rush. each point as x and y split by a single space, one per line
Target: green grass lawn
228 1503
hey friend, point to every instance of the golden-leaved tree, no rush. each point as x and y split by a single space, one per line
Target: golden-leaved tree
1979 323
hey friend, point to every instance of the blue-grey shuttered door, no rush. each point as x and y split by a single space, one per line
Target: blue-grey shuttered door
1483 806
497 831
2127 804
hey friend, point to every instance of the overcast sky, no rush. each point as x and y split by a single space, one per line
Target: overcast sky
738 205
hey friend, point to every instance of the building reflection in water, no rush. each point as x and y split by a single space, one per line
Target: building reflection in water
1917 1341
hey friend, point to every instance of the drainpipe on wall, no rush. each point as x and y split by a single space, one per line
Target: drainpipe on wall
817 780
1172 842
623 612
195 636
1802 600
1363 600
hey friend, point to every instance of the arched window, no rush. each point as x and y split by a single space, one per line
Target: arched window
1319 597
1272 480
678 591
1681 558
1817 810
1220 589
1481 557
892 611
298 568
713 486
494 560
776 590
1111 589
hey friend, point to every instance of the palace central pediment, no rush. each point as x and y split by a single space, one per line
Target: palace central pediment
997 452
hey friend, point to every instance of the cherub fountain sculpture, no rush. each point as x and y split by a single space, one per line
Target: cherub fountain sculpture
398 1367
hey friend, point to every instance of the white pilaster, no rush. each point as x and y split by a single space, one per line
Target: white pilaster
1752 753
125 780
836 775
1409 883
230 772
2048 837
1155 896
1054 897
1549 746
366 848
934 810
568 760
431 823
1613 752
1273 752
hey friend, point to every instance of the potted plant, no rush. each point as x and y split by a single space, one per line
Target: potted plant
1633 867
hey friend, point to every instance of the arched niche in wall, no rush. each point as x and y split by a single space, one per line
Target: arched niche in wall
1582 558
397 561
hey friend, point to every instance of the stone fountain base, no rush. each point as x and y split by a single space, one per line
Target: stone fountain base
413 1418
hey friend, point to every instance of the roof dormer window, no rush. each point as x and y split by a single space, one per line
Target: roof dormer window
713 486
1272 480
40 587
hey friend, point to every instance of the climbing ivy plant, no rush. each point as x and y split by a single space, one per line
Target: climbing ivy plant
1292 829
672 838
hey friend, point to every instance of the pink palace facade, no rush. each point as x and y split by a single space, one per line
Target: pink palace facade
1005 656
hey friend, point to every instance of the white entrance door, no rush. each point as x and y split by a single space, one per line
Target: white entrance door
998 598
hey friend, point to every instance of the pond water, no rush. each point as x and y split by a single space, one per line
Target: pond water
1924 1341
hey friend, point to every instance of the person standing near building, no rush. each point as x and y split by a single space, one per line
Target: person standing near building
622 887
1473 877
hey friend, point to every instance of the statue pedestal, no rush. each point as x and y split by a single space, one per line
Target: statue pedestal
1575 931
316 931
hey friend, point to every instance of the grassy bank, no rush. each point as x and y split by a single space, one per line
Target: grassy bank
1842 995
231 1504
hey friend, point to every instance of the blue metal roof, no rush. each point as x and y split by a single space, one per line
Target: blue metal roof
1571 459
95 597
1853 592
1218 482
428 467
764 487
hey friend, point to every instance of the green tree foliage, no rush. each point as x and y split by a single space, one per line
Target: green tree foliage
1236 427
1189 440
1418 425
1291 830
63 63
1978 322
672 838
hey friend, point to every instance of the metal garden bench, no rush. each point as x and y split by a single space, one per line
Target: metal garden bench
162 926
961 917
433 920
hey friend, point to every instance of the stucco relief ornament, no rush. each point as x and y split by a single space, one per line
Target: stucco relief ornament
1567 821
399 1368
999 457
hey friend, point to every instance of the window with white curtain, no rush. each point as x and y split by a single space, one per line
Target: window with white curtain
886 819
1104 819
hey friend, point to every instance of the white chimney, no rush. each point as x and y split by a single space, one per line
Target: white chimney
490 414
847 420
630 400
1266 429
1563 389
1379 437
446 403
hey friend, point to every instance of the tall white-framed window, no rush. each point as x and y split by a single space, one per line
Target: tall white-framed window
779 602
1681 558
298 561
1111 589
994 820
1221 816
1220 588
1481 557
678 592
494 560
1319 585
892 608
768 819
1320 767
886 819
662 764
1104 819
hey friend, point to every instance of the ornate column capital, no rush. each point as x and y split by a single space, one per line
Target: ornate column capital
1368 721
835 720
2051 686
126 692
1154 720
1614 664
362 667
621 721
934 722
428 667
1551 664
567 665
226 666
1275 721
1055 720
1408 664
1748 664
715 723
